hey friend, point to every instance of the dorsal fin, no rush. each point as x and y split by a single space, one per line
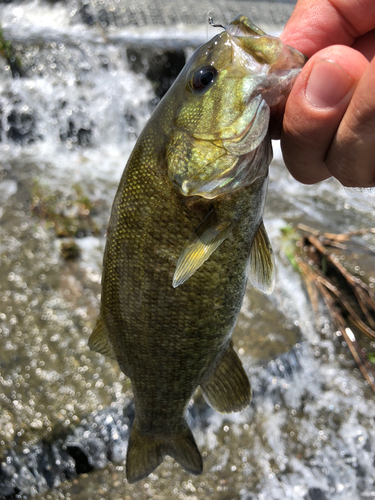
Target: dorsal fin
99 342
202 243
261 267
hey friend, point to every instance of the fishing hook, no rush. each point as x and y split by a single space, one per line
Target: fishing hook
211 21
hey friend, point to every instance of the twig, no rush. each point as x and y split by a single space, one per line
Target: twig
314 270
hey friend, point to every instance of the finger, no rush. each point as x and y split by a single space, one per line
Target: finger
366 44
316 24
276 120
351 158
314 109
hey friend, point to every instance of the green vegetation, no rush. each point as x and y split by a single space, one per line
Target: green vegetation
8 53
290 239
71 215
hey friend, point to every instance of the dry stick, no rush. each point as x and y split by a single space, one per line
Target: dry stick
333 243
353 315
362 299
360 359
347 236
352 344
335 236
357 284
308 229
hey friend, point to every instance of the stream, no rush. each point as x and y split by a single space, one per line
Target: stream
86 76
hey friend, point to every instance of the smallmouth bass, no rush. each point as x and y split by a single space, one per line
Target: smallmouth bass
185 232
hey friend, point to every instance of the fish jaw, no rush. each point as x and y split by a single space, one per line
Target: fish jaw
284 61
257 71
233 179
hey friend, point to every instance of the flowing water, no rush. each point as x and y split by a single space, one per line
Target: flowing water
90 75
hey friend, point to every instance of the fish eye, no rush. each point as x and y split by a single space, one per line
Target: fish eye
203 78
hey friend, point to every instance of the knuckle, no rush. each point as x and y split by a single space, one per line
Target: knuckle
350 171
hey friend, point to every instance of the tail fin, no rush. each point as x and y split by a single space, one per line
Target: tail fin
184 450
146 452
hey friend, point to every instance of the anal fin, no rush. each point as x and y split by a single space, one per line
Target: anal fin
99 342
228 388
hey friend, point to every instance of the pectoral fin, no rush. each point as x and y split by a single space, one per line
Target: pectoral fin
99 342
201 244
261 267
228 388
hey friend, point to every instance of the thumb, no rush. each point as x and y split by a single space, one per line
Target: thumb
314 110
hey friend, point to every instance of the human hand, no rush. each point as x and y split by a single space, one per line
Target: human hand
328 127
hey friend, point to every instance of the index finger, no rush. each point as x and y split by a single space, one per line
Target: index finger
316 24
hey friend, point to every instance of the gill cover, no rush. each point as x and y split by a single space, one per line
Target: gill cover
219 143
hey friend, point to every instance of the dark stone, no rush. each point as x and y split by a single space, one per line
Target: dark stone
164 68
316 494
21 127
161 67
106 18
79 136
86 15
82 462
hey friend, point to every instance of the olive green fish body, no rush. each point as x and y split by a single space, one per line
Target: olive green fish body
186 227
188 326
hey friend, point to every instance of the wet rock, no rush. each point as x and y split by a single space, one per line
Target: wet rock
164 69
70 250
21 126
40 468
144 13
90 13
77 134
86 14
81 136
161 67
271 378
132 125
106 18
101 438
316 494
80 458
76 127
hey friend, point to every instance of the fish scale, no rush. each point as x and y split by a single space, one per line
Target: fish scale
185 227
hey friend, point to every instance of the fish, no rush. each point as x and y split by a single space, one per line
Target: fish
185 234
